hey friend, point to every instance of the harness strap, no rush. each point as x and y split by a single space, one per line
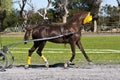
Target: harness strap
62 32
62 29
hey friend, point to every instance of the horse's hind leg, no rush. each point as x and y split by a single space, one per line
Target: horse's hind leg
30 54
39 52
83 51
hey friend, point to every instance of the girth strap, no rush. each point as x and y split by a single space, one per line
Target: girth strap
62 30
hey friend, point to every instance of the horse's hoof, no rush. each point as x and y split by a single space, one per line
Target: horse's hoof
26 66
90 63
2 70
65 65
10 66
47 65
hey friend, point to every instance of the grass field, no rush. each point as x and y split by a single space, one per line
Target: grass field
101 49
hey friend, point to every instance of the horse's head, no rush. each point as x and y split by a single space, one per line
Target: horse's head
84 17
81 18
88 18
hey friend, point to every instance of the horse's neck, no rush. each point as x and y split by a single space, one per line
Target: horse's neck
72 26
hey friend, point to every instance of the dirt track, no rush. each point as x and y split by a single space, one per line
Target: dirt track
86 72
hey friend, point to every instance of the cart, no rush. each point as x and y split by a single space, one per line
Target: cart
5 61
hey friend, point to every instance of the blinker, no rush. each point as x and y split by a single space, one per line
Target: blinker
88 18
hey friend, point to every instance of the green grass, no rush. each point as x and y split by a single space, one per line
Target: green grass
102 42
89 42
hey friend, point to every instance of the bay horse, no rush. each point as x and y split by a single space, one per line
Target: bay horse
49 30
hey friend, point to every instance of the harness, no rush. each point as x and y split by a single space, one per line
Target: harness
66 33
62 32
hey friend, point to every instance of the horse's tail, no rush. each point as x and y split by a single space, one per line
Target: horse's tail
27 35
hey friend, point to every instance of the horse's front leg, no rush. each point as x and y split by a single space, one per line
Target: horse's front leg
73 55
83 51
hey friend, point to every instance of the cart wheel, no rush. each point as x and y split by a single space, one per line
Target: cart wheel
3 61
9 55
10 60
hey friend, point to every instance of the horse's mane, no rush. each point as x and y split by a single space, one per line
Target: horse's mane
77 15
72 20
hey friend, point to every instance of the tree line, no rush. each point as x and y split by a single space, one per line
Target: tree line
60 12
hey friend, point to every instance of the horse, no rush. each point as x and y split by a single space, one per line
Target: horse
74 25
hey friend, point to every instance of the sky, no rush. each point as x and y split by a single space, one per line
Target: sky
36 3
43 3
111 2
